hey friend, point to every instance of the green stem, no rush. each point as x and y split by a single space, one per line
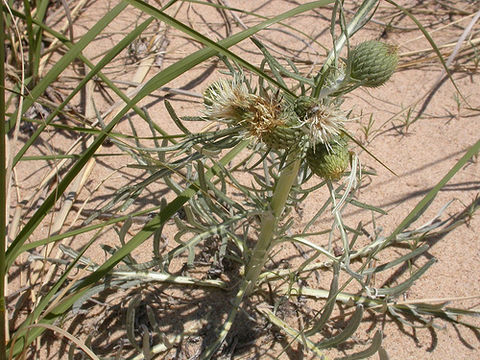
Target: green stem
269 224
285 182
3 193
259 255
355 24
270 220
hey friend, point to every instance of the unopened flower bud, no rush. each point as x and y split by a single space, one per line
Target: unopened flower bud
329 161
373 62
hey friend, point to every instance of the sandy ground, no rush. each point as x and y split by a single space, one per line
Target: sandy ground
420 155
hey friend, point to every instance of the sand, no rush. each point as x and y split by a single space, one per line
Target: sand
420 127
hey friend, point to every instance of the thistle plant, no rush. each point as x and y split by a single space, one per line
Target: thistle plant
309 132
273 138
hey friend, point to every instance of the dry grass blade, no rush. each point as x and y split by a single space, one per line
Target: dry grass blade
67 24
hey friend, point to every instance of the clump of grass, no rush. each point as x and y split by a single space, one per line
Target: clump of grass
280 129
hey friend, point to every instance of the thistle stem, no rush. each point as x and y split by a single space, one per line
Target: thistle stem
285 182
259 255
270 220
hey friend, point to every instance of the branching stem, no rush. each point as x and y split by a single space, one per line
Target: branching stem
270 220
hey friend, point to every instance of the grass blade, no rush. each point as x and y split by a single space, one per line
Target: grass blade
3 192
127 40
222 46
66 60
427 200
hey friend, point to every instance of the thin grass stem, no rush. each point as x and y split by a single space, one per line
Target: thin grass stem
3 197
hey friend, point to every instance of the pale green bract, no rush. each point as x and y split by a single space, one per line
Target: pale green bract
373 63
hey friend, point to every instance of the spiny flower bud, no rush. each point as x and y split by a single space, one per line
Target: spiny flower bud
373 62
329 161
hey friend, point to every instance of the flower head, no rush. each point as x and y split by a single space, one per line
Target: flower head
227 100
329 161
265 118
323 122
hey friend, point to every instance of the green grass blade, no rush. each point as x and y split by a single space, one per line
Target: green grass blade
109 83
94 71
427 200
3 191
30 35
222 46
42 211
66 60
41 11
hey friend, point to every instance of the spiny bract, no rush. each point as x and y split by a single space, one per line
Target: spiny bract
373 62
287 134
329 161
